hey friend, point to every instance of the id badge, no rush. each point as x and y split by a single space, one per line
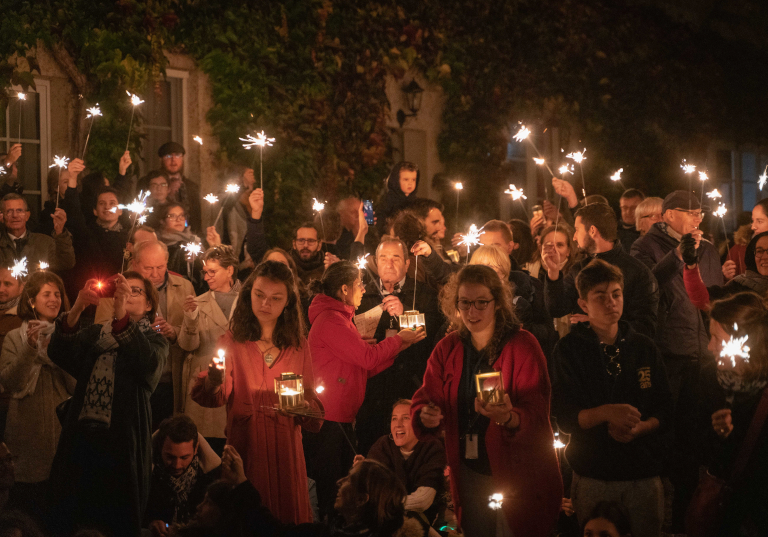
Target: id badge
470 448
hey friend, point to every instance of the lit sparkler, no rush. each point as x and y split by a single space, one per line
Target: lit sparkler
19 269
459 187
495 501
565 168
720 212
193 249
22 97
232 188
260 140
320 389
539 161
763 179
362 262
735 348
93 113
522 134
517 195
318 207
198 140
211 198
60 162
43 265
688 168
578 157
472 238
135 101
558 443
714 194
138 207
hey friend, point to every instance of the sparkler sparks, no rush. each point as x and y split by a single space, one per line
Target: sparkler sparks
472 238
193 249
495 501
317 206
232 188
260 140
211 198
687 168
565 168
93 112
763 179
577 156
703 176
735 348
522 134
558 443
515 193
617 176
135 99
198 140
714 194
60 162
21 96
137 206
19 269
2 171
43 265
142 219
362 262
720 212
458 186
539 161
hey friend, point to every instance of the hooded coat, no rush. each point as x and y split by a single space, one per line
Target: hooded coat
395 199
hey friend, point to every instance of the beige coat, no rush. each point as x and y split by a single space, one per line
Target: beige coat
36 386
179 288
199 333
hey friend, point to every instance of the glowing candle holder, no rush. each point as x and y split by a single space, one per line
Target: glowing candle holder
290 390
411 319
490 387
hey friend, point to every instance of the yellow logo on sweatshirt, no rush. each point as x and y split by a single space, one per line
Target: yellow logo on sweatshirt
644 377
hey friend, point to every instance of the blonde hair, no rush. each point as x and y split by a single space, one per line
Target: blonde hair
494 257
647 207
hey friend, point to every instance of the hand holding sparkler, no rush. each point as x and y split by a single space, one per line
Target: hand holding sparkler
13 155
431 416
190 304
59 218
565 189
256 201
212 237
722 422
125 163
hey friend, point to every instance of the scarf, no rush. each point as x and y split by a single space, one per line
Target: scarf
41 357
12 303
174 237
99 393
733 383
754 281
313 263
180 488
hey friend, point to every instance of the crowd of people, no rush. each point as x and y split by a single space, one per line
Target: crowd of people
141 381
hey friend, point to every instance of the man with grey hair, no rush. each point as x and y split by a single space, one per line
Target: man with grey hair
150 259
17 242
387 297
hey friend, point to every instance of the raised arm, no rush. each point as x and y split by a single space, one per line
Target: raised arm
256 239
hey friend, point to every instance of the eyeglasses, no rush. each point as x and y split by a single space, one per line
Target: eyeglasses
138 291
169 156
158 185
308 242
176 217
760 252
694 214
479 304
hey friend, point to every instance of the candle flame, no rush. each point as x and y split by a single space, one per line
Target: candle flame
522 134
135 100
60 162
735 348
577 156
539 161
260 140
472 238
714 194
19 269
688 168
458 186
515 193
720 212
232 188
317 206
565 168
211 198
93 111
617 176
198 140
220 360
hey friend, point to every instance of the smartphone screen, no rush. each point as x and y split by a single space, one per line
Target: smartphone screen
368 210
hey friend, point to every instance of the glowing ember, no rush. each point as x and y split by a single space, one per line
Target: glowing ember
522 134
211 198
565 168
135 100
232 188
577 156
317 206
617 176
458 186
198 140
714 194
19 270
720 212
735 348
60 162
515 193
260 140
688 168
93 111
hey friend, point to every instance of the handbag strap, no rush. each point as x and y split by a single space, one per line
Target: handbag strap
755 428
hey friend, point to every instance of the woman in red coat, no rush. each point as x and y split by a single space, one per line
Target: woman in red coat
502 448
342 361
265 339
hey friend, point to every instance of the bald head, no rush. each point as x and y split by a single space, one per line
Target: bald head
150 259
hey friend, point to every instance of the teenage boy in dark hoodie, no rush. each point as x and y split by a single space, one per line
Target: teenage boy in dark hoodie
611 394
401 188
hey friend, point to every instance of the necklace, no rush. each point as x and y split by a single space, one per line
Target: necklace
268 357
613 367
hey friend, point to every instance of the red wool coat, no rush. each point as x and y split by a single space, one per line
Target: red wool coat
523 461
268 442
341 359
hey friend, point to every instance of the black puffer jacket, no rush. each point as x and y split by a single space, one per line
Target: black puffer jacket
395 199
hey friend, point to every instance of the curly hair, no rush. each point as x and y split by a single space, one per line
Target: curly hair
289 330
224 254
506 322
32 288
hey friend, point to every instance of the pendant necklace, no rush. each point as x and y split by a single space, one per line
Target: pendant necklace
268 358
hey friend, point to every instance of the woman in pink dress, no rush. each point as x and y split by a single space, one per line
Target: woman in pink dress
266 339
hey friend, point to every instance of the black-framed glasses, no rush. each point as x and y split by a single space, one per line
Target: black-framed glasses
479 304
308 242
693 213
760 252
138 291
176 217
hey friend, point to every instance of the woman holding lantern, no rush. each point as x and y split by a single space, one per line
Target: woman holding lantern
264 342
487 385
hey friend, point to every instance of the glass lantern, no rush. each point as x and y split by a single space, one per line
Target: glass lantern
411 319
289 388
490 387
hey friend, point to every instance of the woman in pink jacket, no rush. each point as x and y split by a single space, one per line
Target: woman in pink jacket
342 361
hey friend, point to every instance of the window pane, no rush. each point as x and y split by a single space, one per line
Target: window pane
29 167
30 120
